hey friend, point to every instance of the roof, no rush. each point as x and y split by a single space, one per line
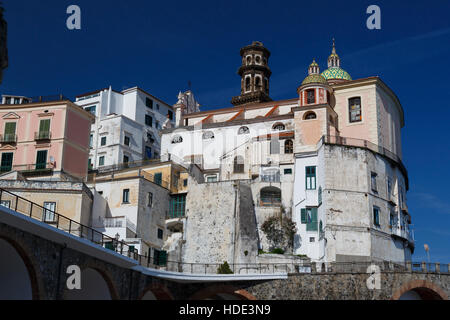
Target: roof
314 78
336 73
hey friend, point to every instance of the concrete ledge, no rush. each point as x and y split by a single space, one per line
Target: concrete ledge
198 277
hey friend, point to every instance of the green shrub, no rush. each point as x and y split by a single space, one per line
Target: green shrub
277 251
224 268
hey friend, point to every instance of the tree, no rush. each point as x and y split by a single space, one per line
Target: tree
280 232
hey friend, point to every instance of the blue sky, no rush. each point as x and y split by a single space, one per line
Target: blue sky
161 45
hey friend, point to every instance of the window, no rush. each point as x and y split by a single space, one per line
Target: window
310 115
90 109
288 171
309 217
247 83
103 141
288 146
101 160
310 96
278 127
238 166
44 129
354 109
270 197
126 196
148 152
7 160
389 187
185 182
157 178
149 199
321 232
243 130
391 219
170 113
157 124
125 159
376 216
258 83
160 233
211 178
373 181
89 163
41 159
177 206
319 196
149 102
177 139
49 211
275 146
208 135
10 132
310 178
312 239
91 139
126 141
159 257
157 106
148 120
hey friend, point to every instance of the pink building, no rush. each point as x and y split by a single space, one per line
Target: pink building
44 139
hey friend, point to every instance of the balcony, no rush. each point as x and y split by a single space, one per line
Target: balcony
404 232
42 135
8 138
118 222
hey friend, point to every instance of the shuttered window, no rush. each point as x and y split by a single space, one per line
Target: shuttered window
7 160
10 131
310 178
41 159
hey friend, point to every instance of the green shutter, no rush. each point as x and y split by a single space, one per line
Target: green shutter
44 125
158 178
7 160
303 215
41 159
312 225
10 128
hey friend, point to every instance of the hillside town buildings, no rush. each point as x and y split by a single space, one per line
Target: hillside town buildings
184 185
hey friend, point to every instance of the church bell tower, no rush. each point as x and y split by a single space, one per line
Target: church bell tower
255 75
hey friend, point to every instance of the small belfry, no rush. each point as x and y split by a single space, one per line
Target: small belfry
314 88
334 73
255 74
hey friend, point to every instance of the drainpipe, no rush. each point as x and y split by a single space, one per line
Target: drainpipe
58 282
236 189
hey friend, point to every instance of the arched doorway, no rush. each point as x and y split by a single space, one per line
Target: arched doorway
94 286
420 290
15 280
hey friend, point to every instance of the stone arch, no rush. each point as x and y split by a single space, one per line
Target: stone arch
19 272
222 292
156 292
423 289
98 283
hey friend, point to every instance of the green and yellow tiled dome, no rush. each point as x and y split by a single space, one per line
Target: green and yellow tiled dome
336 73
314 78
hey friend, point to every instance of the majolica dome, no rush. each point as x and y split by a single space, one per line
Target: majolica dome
336 73
314 74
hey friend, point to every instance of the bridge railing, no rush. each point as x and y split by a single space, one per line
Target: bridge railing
160 261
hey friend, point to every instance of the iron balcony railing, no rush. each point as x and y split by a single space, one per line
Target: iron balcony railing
8 138
42 135
34 167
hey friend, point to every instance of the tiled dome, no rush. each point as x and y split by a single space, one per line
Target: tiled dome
314 78
336 73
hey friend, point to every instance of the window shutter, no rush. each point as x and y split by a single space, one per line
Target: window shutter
44 125
10 128
314 219
303 215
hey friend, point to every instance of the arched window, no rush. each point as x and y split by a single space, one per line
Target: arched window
270 197
288 146
354 109
177 139
278 126
247 83
243 130
208 135
248 59
310 115
238 166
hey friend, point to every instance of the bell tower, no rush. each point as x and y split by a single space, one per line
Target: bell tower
255 75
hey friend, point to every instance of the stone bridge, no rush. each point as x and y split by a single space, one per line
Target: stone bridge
34 258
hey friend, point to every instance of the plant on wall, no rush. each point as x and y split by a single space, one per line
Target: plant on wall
224 268
280 233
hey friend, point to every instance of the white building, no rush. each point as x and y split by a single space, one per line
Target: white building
127 125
